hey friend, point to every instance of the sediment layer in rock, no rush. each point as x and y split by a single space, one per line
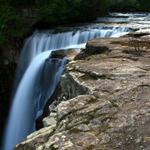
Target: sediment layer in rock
113 110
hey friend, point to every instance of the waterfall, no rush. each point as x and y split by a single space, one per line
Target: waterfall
33 91
54 40
38 75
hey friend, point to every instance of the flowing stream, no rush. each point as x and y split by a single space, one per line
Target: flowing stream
38 75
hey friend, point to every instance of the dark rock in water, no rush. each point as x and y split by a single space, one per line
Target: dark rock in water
69 53
96 49
108 103
58 54
139 33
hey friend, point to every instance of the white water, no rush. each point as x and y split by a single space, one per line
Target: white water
130 20
74 38
38 76
31 97
43 41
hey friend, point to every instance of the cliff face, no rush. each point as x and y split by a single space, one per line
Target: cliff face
7 74
9 55
108 100
8 59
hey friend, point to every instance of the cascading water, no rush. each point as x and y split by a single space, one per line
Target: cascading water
38 76
50 40
30 98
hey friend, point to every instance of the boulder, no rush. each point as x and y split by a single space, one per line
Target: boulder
92 49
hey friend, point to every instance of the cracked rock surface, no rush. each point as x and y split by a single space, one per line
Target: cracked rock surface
110 109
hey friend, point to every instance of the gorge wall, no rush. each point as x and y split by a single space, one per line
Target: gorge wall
8 65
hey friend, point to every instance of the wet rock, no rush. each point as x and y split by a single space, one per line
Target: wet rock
69 53
139 33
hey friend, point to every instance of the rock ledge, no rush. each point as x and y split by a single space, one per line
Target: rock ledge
109 102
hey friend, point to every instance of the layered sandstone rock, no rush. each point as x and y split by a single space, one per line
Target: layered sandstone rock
108 106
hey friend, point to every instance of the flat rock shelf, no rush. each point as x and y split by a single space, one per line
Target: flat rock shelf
111 111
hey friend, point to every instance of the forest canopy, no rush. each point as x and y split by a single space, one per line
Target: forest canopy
17 17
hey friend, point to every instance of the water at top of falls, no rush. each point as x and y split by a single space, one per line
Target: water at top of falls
133 20
38 76
43 41
77 38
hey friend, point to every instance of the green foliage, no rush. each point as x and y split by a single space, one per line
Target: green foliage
22 3
127 5
144 5
64 11
12 24
130 5
18 16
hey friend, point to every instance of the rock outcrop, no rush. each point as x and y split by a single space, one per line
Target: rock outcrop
108 106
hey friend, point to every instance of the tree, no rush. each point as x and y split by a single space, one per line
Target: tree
67 11
10 23
144 5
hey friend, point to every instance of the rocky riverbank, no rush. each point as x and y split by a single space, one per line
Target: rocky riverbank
108 100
